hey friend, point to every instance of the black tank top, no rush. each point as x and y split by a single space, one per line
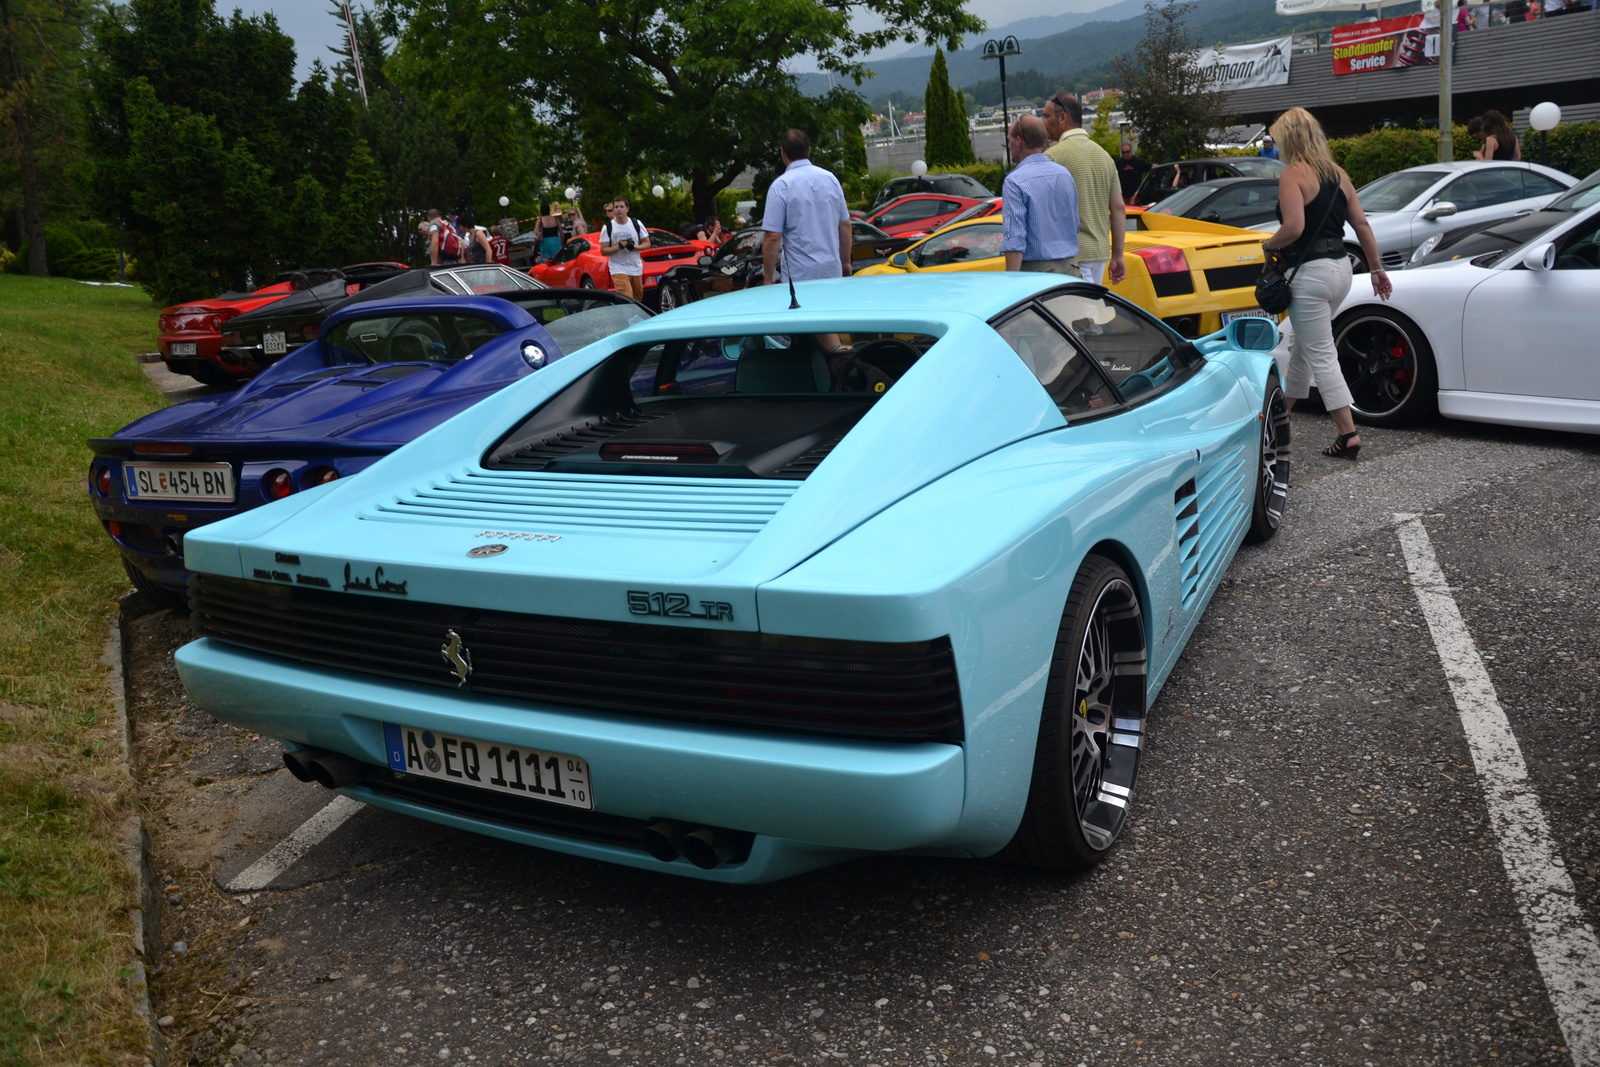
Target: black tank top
1331 228
1505 151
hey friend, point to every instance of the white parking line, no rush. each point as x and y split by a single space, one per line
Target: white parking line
286 853
1564 945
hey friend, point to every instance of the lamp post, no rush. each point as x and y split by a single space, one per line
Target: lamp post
993 49
1544 118
1447 21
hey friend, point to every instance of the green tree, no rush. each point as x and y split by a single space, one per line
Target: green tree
698 88
1170 100
1100 131
937 148
961 154
41 59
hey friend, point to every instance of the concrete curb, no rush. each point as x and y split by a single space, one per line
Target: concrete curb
135 843
148 357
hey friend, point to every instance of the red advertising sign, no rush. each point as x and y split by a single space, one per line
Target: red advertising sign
1384 45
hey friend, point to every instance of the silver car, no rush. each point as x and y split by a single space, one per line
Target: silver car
1409 206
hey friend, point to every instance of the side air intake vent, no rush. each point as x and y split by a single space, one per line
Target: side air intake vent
1186 507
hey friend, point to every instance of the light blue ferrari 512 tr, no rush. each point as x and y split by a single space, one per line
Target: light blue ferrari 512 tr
745 589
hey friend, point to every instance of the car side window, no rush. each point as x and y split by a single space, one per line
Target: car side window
959 246
1580 250
1243 202
1483 188
409 339
909 211
1535 184
1065 372
489 279
1137 355
449 284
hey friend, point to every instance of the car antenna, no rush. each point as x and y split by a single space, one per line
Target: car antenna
788 276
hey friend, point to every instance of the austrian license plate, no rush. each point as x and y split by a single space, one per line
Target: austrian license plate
274 343
1248 313
184 348
178 481
522 772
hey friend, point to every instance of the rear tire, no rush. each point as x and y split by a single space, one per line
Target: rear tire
1091 730
586 283
158 593
1358 260
1388 365
1272 475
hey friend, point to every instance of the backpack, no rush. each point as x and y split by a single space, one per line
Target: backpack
639 234
449 240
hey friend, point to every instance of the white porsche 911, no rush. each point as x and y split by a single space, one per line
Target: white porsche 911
1509 337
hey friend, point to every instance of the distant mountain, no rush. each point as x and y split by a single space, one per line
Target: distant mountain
1043 25
1085 51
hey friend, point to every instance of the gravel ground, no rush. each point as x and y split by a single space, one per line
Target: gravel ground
1310 874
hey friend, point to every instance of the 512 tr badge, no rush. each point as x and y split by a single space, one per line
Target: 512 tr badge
676 606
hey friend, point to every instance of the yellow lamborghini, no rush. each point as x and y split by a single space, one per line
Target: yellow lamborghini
1195 276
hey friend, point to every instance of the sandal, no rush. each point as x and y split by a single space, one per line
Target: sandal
1342 446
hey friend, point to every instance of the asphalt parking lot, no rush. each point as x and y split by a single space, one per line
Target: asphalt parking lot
1316 871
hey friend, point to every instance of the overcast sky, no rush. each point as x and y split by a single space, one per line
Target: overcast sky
314 30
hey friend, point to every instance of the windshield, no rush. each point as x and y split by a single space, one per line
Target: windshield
1259 168
408 339
1180 202
1394 191
1580 196
572 332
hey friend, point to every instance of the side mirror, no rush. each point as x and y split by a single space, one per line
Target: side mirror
1540 257
901 260
704 261
1440 209
1253 334
1211 216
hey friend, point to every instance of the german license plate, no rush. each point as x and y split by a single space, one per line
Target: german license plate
178 481
184 348
274 343
1248 313
512 769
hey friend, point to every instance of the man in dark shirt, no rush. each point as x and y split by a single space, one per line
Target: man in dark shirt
1130 170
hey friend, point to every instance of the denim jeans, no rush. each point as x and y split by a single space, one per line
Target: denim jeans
1318 286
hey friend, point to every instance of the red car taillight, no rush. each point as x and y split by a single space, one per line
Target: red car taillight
659 453
102 481
318 476
114 528
161 449
1163 259
276 484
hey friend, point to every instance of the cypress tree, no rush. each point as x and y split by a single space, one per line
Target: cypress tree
961 136
936 108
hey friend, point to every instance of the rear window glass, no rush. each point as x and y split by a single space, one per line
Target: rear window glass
409 339
775 364
1135 353
575 321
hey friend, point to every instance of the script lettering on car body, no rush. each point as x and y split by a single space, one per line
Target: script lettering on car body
678 606
375 584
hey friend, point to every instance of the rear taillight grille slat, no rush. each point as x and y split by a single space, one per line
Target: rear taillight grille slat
879 691
1241 277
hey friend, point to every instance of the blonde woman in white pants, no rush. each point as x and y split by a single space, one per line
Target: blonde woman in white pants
1315 200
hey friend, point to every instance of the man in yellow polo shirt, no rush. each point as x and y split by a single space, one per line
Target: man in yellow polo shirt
1102 216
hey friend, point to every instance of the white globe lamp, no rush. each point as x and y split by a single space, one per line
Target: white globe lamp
1544 118
657 191
918 168
505 201
571 192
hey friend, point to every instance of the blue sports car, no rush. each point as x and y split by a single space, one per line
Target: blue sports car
381 373
747 589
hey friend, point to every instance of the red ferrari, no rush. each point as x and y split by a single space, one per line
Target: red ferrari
580 265
189 335
919 213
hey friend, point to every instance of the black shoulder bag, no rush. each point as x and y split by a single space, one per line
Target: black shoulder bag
1272 288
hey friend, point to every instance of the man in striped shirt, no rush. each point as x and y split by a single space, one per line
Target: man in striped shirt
1102 216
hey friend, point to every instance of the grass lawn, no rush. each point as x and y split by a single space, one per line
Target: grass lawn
67 373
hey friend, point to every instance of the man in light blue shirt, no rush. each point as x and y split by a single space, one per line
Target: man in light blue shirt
806 217
1040 205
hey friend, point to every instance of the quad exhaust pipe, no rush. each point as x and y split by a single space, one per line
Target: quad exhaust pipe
328 769
706 847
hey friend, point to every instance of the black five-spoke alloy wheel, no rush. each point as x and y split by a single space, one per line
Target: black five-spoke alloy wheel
1388 366
1091 732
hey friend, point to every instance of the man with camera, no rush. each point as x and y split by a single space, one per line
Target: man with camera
622 239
